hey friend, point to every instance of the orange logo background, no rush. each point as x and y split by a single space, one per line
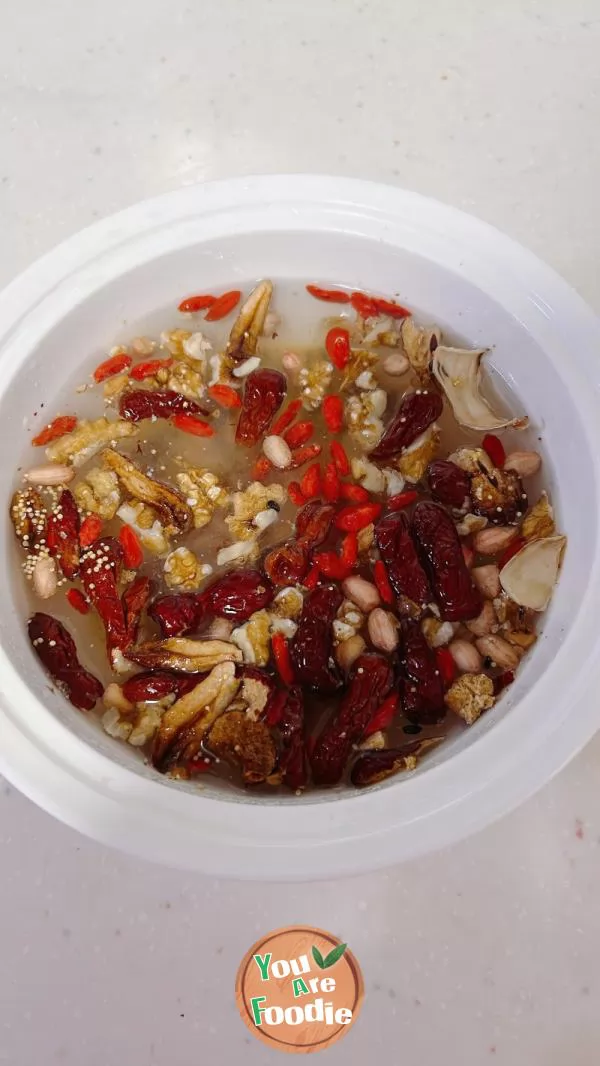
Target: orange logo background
303 998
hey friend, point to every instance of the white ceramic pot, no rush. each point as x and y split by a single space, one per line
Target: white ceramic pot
113 278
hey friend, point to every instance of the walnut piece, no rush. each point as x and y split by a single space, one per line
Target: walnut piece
147 526
363 417
183 570
470 695
419 343
314 382
87 439
253 638
539 521
203 493
248 504
415 459
99 493
360 362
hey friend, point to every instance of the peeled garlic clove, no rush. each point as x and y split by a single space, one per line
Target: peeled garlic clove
458 371
530 576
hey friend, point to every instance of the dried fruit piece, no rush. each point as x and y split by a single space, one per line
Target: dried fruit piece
328 295
383 716
448 483
370 682
28 516
135 599
333 413
225 396
183 655
311 481
177 615
423 691
132 549
402 500
115 365
138 404
197 427
303 455
495 449
417 411
312 646
281 655
184 725
55 648
353 519
365 306
299 434
313 523
287 564
62 534
223 306
405 572
196 303
498 496
441 551
78 601
172 508
382 582
237 595
340 458
292 757
286 417
375 766
100 569
149 369
241 740
91 529
55 429
263 395
295 494
331 483
337 346
250 323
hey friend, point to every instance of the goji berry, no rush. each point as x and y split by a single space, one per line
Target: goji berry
223 305
382 581
91 528
310 484
333 413
446 665
354 493
149 369
299 434
330 565
337 346
512 549
384 715
349 550
283 661
55 429
495 449
225 396
331 483
401 500
133 554
341 460
196 426
305 454
78 601
295 494
390 307
364 305
312 578
353 519
286 418
334 296
197 303
261 468
115 365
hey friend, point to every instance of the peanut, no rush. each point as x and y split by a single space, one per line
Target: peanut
487 579
291 363
395 364
50 474
362 593
383 629
45 577
524 464
466 656
499 651
494 539
348 652
485 621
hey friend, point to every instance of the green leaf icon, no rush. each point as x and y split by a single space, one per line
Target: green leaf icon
316 954
334 955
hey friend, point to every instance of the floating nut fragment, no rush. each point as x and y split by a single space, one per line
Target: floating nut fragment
395 365
184 725
247 367
362 593
530 576
495 540
171 507
45 578
525 464
183 655
277 451
466 656
50 474
470 695
419 344
539 521
348 652
87 439
458 371
114 697
383 629
376 742
485 622
250 323
487 579
292 364
240 551
499 651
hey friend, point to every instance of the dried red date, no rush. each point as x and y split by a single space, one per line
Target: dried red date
100 568
177 615
138 404
407 576
237 595
135 599
55 648
376 766
292 757
287 564
371 680
263 395
448 483
311 648
313 523
423 689
154 685
439 545
62 534
416 413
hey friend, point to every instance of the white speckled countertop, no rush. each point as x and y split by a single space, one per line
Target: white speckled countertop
492 948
